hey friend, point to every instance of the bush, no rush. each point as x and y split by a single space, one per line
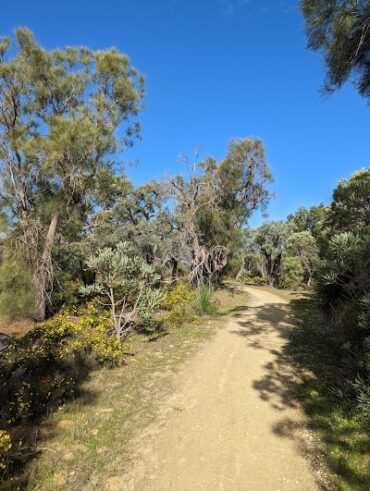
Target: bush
5 447
292 272
255 280
344 291
46 368
177 304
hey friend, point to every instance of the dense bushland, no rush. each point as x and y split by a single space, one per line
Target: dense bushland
327 248
84 252
92 258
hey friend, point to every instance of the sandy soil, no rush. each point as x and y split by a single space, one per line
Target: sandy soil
232 423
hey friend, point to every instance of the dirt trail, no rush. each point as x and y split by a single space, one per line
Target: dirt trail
231 424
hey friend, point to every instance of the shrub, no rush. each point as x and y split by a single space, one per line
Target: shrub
255 280
177 304
126 283
44 369
292 272
5 447
344 291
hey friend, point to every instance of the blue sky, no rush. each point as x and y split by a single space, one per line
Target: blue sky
218 69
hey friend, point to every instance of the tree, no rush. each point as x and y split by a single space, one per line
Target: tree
341 28
350 207
63 114
312 220
302 245
125 283
252 263
215 202
271 240
132 215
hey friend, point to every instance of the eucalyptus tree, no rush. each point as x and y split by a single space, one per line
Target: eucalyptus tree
350 207
271 240
134 214
303 246
214 203
64 113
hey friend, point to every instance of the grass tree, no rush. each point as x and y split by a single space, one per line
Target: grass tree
126 284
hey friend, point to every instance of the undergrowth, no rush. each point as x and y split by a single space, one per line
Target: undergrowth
42 371
334 398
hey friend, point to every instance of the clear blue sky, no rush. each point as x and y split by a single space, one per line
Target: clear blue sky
217 69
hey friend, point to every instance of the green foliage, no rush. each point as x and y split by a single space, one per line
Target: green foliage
16 294
125 283
303 246
335 399
5 447
340 28
254 280
63 114
45 369
344 288
203 303
270 239
350 208
177 304
292 272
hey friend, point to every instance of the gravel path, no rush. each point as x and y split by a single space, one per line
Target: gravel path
231 424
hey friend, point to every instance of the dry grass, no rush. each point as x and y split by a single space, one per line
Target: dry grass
16 328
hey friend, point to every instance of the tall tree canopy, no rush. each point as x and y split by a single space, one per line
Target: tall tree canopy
214 204
63 115
341 28
350 208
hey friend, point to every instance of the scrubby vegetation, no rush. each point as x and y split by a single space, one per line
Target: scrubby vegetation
92 259
327 248
333 394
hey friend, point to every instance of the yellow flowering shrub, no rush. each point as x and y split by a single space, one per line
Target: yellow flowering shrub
5 446
46 368
177 303
86 332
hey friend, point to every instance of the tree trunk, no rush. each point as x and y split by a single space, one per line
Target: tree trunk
175 265
43 276
276 272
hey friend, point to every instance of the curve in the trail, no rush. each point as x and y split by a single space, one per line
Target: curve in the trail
232 423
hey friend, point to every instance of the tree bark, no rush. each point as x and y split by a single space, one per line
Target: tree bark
43 275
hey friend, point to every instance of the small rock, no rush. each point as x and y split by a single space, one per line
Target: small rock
69 456
94 432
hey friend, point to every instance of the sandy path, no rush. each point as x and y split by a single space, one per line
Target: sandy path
231 425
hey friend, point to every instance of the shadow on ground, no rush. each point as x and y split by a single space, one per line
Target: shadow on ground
304 369
34 381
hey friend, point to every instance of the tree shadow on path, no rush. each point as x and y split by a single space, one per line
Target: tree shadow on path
305 365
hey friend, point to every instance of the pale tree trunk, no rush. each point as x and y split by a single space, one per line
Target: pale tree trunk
43 275
241 271
309 279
